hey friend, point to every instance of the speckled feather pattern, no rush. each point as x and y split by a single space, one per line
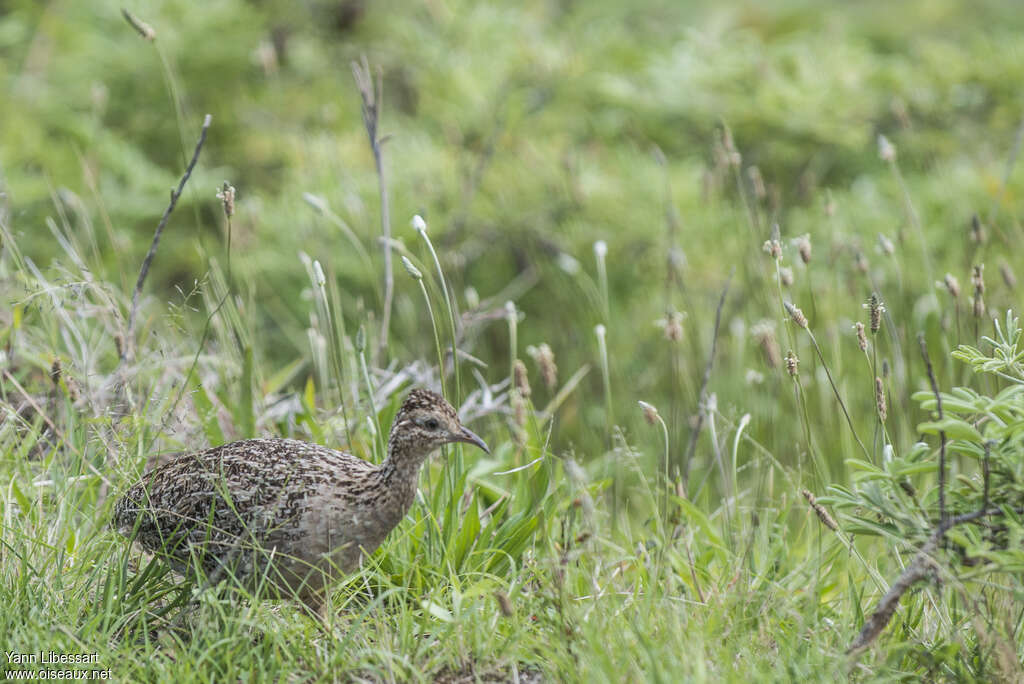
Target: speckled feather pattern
286 514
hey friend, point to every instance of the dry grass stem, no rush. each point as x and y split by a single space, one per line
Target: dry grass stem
372 93
128 349
692 444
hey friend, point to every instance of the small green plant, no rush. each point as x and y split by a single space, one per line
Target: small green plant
958 500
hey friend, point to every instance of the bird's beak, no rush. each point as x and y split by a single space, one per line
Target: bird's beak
469 437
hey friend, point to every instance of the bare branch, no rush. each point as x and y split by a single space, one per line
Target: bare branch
920 568
129 347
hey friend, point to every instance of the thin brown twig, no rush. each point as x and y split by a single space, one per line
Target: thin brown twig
692 444
129 346
372 94
919 568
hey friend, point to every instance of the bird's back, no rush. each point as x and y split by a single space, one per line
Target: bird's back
210 504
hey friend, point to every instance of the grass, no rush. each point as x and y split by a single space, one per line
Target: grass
591 175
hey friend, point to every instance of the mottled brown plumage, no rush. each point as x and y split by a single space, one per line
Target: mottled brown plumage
285 515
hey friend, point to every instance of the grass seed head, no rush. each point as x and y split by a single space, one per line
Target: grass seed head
226 195
792 363
773 246
1007 273
672 325
319 204
757 182
860 262
803 247
522 381
862 338
880 399
796 314
418 224
875 309
545 360
519 415
952 285
977 233
886 245
764 334
886 150
142 28
978 280
823 515
650 412
411 269
786 276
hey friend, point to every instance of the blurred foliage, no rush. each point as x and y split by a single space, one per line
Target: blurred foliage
523 133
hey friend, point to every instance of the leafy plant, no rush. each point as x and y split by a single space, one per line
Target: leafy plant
966 526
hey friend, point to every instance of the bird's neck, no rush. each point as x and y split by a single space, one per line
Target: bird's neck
399 473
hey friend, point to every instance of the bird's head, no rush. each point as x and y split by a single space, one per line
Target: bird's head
426 421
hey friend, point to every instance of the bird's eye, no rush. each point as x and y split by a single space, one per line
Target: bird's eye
431 424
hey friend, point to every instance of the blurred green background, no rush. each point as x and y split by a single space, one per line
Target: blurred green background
524 132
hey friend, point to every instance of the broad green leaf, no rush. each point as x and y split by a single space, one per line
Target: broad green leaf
953 427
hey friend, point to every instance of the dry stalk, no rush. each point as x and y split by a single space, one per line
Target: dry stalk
922 566
129 347
704 383
372 94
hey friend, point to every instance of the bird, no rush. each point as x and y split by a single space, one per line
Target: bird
283 515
